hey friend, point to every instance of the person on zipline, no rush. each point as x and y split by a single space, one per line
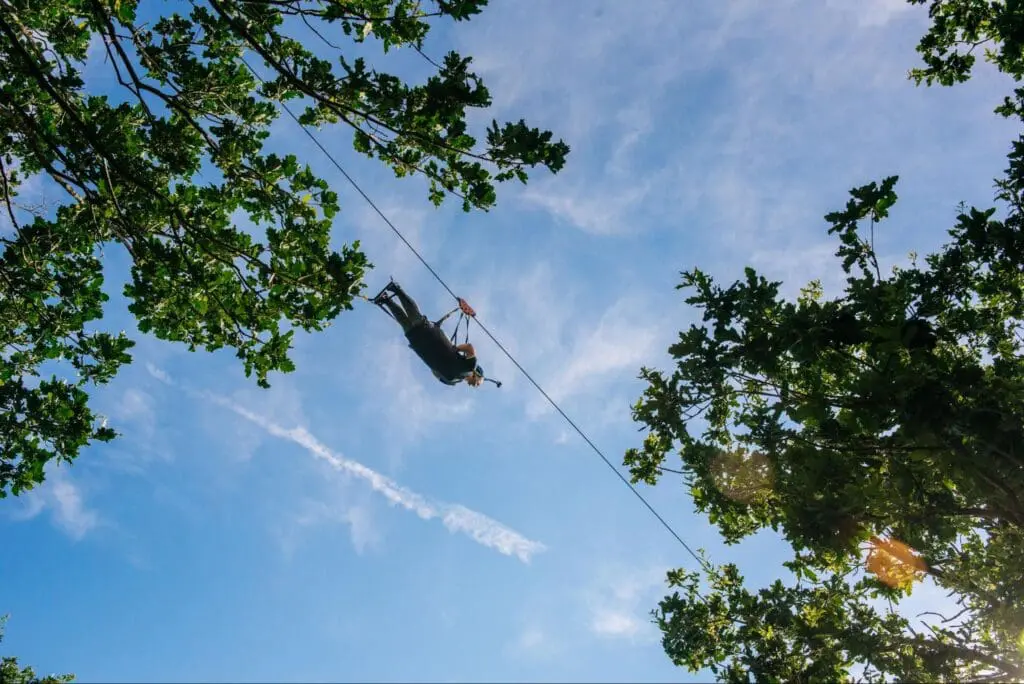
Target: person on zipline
449 363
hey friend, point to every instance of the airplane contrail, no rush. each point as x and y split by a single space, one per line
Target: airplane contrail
457 518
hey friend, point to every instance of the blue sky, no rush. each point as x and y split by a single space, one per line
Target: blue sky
360 521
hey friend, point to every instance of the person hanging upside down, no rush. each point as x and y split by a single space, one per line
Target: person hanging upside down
449 363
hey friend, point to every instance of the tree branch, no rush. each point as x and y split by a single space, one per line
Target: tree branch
8 201
341 110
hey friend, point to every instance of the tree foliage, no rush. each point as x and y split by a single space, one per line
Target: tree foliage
893 411
963 30
887 421
12 673
168 164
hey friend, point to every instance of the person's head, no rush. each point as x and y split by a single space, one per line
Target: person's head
476 378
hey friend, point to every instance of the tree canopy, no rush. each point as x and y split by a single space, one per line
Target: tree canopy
170 163
878 430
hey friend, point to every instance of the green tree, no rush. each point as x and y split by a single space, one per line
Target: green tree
128 165
12 673
960 31
895 410
892 413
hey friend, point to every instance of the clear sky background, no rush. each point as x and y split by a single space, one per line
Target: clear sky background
359 520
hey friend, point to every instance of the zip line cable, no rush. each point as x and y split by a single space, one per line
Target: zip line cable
500 346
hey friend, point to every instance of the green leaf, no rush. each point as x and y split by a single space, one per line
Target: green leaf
878 430
239 256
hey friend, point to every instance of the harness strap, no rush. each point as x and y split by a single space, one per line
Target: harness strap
466 312
444 318
455 333
379 300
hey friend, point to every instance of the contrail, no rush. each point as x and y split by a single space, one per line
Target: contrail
457 518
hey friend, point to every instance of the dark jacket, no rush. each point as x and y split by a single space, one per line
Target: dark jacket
437 351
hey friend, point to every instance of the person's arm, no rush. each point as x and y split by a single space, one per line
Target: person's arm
466 349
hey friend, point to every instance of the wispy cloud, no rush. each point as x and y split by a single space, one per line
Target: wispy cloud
136 405
535 642
600 103
618 603
739 137
235 435
604 212
407 211
363 532
614 623
531 638
455 517
70 511
612 348
159 374
64 500
144 439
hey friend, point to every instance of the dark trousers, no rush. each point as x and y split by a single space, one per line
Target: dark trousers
408 314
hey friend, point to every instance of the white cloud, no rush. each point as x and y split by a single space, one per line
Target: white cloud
487 531
583 89
619 602
235 435
573 198
614 624
360 523
158 374
621 341
740 136
796 265
144 432
401 394
134 404
64 500
70 512
566 335
363 532
135 407
456 518
529 312
531 638
528 61
32 504
536 642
